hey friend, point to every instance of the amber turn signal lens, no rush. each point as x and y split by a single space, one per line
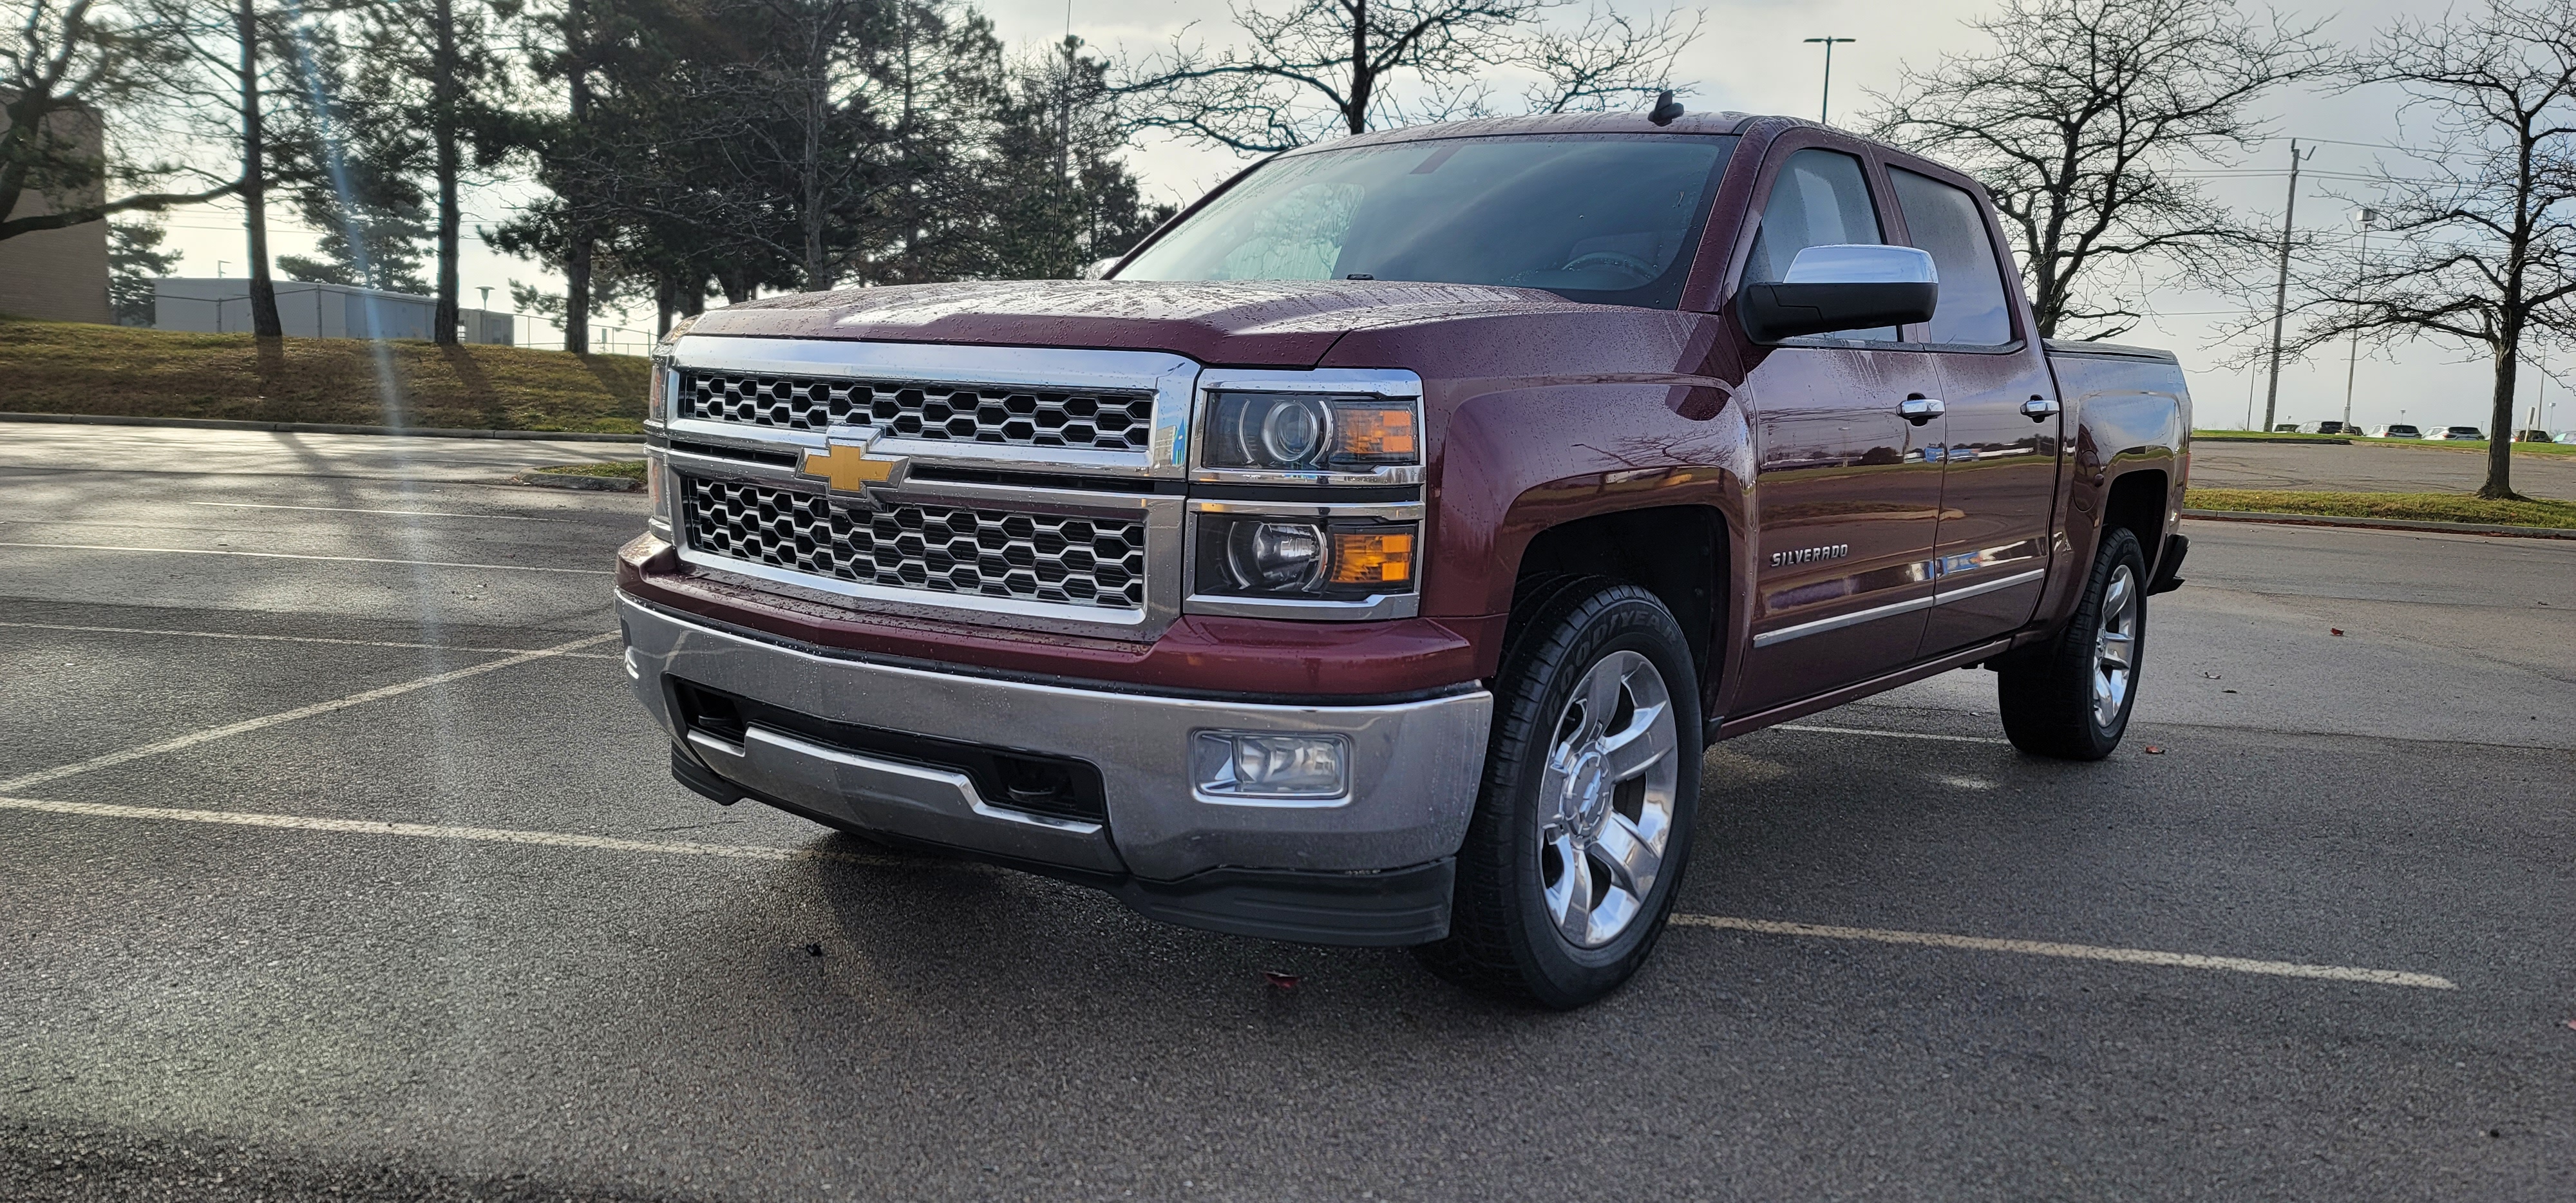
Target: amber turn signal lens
1371 559
1375 433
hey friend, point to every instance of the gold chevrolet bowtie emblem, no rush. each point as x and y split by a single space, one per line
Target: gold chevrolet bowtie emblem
849 468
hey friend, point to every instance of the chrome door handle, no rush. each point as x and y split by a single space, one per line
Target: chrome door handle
1920 410
2039 409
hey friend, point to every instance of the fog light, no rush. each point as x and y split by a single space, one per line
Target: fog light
1264 764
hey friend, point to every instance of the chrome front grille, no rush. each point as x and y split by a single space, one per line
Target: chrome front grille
970 550
1001 414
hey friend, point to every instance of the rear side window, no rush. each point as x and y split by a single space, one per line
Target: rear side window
1974 309
1819 198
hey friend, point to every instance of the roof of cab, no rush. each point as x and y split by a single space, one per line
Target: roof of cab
1630 122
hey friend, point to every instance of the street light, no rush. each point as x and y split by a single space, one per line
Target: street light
2364 218
1824 103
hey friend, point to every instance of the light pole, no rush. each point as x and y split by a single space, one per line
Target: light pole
1824 103
2364 218
2281 286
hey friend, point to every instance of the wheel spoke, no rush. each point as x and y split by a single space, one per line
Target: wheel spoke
2115 599
1630 857
1569 901
1601 696
1646 741
2117 648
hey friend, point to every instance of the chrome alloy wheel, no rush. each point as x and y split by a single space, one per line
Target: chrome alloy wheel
2115 648
1606 799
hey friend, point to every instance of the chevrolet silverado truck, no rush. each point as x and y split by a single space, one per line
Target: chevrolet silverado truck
1369 555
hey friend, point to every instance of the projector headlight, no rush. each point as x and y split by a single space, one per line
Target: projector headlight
1242 555
1304 432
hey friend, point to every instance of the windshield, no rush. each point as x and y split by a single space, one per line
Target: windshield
1607 218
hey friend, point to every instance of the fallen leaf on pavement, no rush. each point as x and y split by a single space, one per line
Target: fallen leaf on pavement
2334 630
1281 981
2153 750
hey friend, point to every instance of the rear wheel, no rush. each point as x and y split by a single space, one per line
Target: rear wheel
1591 784
2071 699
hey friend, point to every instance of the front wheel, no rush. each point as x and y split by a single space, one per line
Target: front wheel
1591 784
2070 699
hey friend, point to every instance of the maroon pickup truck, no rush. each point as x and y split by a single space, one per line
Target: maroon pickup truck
1370 555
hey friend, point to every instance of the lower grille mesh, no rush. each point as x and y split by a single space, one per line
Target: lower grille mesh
941 549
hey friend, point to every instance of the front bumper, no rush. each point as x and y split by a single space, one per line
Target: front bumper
1370 868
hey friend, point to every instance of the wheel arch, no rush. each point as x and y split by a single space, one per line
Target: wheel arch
1679 553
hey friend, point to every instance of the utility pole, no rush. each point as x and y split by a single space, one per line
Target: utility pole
2365 218
2281 285
1825 103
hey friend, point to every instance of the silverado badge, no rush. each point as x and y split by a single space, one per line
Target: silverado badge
849 468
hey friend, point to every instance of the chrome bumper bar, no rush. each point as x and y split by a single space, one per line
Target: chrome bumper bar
1414 772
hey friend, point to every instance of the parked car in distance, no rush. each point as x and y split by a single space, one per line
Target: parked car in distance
2397 430
2564 436
2464 434
2532 436
2329 426
2285 428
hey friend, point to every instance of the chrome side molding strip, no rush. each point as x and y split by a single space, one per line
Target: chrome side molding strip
1874 613
1839 621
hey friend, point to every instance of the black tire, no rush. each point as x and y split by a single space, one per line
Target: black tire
1504 937
2049 693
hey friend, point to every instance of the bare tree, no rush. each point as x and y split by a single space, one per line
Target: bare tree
222 76
64 66
1611 58
2484 246
2078 119
1317 68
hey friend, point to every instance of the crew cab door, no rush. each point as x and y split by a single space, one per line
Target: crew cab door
1999 440
1845 496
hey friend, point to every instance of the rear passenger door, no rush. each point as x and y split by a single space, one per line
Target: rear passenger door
1845 497
1998 452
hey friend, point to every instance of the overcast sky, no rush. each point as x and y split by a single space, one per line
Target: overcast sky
1751 57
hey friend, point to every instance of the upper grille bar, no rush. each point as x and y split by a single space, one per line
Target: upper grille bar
980 413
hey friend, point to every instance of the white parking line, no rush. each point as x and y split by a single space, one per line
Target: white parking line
2086 952
441 831
1955 739
450 647
280 555
552 839
343 509
192 739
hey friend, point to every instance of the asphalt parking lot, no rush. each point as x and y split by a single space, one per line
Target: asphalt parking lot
336 862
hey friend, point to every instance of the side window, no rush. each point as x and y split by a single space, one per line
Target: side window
1974 309
1820 198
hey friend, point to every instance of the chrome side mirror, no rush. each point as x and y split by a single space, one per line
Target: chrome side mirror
1847 287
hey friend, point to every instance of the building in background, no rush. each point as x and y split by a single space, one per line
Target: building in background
59 275
309 310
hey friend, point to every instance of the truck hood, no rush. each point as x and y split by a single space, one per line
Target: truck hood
1240 323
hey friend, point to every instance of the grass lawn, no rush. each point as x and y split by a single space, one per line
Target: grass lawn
75 368
2417 507
620 469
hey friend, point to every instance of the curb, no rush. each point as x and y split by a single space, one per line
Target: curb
430 432
568 480
2452 528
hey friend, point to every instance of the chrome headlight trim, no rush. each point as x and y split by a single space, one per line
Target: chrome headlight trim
1390 383
1375 607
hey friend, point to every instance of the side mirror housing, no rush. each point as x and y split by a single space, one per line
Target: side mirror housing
1842 288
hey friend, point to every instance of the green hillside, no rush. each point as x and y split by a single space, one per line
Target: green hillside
75 368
